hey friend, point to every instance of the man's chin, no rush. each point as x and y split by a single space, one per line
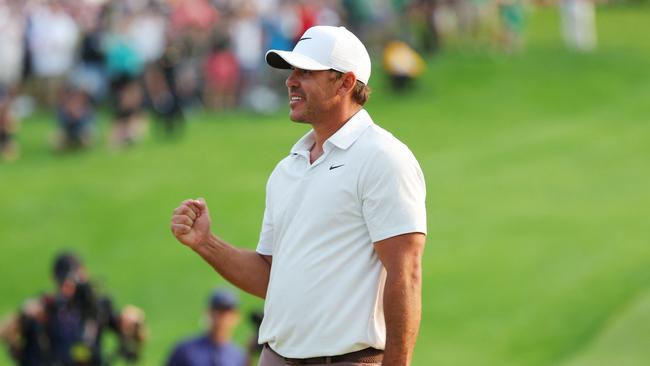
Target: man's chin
297 119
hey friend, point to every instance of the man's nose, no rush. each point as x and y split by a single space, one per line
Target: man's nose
292 80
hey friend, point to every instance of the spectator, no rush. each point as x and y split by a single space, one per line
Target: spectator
425 32
247 42
147 34
579 24
214 348
307 15
52 41
66 328
9 149
12 27
402 64
125 69
511 16
327 14
359 15
222 76
76 120
280 27
129 125
90 71
160 85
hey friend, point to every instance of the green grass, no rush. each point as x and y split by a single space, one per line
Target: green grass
623 339
537 170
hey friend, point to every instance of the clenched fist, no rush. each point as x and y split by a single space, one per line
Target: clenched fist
191 223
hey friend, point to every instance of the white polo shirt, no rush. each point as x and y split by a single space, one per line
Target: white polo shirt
325 294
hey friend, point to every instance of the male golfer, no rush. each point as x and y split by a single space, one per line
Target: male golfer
339 255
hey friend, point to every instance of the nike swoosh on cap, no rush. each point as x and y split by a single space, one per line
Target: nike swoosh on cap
304 38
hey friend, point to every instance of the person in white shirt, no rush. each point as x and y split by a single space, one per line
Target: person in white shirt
339 256
12 32
52 41
579 24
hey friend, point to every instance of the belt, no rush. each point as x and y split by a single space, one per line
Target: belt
366 355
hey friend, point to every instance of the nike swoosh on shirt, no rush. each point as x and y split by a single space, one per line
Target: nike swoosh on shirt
336 166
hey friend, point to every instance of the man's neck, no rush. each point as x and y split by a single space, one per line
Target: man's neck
217 337
325 130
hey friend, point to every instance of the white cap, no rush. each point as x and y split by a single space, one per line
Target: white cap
324 48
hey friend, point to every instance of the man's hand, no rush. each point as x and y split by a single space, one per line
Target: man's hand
10 332
132 324
244 268
190 223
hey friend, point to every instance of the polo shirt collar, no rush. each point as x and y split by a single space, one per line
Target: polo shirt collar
343 138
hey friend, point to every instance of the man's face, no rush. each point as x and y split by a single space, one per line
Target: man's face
311 94
223 320
69 286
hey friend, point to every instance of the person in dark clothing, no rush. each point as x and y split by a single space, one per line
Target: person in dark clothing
66 328
75 115
161 91
90 72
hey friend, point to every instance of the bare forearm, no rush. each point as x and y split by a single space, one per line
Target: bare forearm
245 269
402 309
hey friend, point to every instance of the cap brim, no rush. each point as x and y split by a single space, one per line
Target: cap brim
289 59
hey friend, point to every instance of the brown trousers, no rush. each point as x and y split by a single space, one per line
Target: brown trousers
270 358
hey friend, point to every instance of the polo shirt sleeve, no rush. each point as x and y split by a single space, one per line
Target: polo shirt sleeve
393 191
265 244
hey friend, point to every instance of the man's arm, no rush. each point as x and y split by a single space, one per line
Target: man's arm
402 257
245 269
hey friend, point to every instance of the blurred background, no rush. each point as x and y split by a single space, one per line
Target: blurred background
529 119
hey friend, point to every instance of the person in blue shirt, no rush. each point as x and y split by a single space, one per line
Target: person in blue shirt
215 347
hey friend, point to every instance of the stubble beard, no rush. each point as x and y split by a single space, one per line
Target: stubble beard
301 117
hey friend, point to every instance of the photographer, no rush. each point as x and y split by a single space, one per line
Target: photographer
66 328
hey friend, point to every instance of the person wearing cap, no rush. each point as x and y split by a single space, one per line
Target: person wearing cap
340 250
215 347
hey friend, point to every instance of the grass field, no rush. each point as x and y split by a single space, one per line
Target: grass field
538 177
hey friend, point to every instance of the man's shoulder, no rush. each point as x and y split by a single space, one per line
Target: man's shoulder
192 342
378 143
281 165
187 350
382 155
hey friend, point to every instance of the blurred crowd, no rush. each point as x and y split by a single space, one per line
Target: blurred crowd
162 59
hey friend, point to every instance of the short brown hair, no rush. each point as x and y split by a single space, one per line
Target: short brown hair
361 91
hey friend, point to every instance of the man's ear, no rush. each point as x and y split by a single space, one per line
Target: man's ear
348 81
